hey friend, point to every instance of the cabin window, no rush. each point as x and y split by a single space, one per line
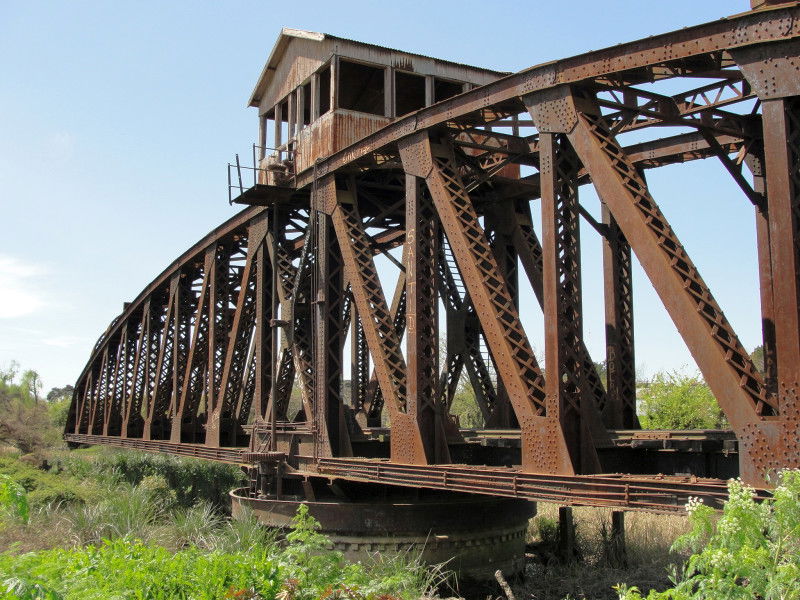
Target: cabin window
268 132
305 118
361 88
443 89
409 92
283 134
325 90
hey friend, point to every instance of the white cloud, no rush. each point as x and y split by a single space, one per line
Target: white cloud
19 295
64 341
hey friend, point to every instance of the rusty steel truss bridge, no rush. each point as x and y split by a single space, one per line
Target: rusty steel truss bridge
235 352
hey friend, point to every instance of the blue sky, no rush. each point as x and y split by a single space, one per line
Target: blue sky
118 120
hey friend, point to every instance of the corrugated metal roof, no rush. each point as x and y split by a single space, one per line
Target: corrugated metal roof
287 34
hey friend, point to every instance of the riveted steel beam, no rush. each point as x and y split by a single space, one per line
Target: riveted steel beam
725 364
422 330
566 385
772 72
543 445
379 328
619 411
329 330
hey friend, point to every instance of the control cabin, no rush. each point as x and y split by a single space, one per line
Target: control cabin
319 93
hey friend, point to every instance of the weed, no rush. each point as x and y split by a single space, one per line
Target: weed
751 551
244 533
196 526
13 500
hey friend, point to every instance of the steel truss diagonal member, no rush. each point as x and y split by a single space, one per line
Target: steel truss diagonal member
531 256
567 387
384 344
720 356
422 320
239 339
544 448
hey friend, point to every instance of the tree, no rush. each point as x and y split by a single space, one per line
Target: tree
58 403
465 406
757 356
58 394
673 400
32 384
25 422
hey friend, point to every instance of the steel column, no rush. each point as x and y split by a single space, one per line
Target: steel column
566 385
329 330
619 411
422 335
543 445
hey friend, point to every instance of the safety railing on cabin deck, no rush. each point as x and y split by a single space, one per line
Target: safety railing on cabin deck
279 161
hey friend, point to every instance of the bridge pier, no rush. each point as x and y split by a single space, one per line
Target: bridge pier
473 535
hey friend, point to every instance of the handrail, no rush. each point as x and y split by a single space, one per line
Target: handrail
278 155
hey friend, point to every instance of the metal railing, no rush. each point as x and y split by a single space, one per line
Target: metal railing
278 156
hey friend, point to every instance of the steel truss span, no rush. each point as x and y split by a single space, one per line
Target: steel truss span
235 352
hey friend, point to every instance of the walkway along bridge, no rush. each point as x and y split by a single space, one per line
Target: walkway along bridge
364 150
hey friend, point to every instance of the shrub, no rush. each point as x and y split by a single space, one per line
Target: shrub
42 487
127 569
13 500
192 480
751 551
673 400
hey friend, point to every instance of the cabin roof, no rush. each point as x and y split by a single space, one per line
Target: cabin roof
287 35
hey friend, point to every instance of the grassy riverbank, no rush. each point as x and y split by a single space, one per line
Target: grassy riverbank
109 524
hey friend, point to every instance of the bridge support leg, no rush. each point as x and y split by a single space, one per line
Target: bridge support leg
379 328
544 448
781 121
725 364
329 334
422 316
620 408
567 387
755 162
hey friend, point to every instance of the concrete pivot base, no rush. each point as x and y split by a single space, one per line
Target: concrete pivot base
474 536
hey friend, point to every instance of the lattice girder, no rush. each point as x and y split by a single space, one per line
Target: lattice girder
543 445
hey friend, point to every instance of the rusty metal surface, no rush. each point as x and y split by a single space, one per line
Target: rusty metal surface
235 351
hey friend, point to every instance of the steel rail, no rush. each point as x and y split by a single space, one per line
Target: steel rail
655 493
633 492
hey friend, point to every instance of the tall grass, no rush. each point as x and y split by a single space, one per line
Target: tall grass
190 479
648 557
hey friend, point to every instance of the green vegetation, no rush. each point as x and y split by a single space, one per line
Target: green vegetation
214 558
672 400
13 501
106 523
464 405
103 523
751 551
27 421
